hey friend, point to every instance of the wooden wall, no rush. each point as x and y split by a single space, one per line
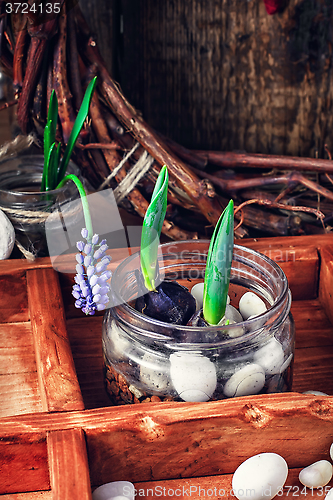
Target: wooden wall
222 74
102 17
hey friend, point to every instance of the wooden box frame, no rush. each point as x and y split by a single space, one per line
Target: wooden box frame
59 438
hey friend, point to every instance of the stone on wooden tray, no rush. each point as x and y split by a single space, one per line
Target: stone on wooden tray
316 393
117 490
7 236
329 495
260 477
317 474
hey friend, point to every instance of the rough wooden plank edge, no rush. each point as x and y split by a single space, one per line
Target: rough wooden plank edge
291 242
319 408
59 387
68 463
132 443
326 281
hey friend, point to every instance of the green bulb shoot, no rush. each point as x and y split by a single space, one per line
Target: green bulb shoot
218 267
54 166
151 230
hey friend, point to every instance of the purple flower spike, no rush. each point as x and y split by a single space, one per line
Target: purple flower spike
91 289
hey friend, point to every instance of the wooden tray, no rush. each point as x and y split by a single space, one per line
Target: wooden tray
59 437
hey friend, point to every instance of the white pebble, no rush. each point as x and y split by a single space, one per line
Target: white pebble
236 331
260 477
331 451
197 291
270 357
119 344
7 236
329 495
248 380
316 393
193 376
251 305
117 490
317 474
152 377
232 314
286 363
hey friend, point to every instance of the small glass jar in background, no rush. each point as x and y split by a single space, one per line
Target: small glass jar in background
25 205
149 360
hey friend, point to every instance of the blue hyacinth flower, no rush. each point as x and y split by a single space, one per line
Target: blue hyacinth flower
91 287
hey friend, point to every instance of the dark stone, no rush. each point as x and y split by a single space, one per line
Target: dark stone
171 303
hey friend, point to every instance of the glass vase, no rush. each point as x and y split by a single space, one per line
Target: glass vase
25 205
149 360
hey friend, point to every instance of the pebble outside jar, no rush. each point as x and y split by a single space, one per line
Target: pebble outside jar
149 360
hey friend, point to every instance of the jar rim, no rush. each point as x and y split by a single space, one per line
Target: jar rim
31 167
279 308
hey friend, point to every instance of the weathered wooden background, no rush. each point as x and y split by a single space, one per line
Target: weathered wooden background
222 74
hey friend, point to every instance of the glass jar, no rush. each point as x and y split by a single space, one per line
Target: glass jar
25 205
149 360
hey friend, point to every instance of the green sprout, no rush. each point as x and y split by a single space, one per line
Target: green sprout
151 229
54 166
218 267
219 259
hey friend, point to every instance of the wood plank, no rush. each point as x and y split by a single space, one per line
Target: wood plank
69 468
310 317
23 463
19 389
199 439
275 244
88 359
36 495
219 487
291 242
313 369
326 281
19 394
16 348
13 298
59 387
302 273
198 447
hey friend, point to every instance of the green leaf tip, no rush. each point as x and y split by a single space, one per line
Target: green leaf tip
218 267
78 124
54 167
151 229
